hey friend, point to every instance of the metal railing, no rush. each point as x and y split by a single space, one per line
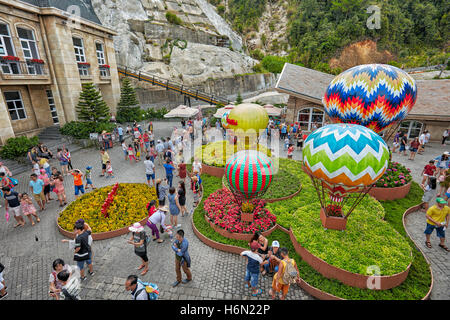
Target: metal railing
171 85
12 68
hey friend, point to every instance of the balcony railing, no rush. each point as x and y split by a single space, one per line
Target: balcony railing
12 68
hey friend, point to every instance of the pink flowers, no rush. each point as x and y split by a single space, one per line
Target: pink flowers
223 211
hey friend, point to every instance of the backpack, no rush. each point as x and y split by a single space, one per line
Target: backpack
2 267
290 273
151 289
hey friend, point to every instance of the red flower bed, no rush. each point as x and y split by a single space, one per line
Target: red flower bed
104 66
222 210
334 210
38 61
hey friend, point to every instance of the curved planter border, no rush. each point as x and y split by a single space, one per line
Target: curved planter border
405 215
213 171
349 278
384 194
276 199
100 235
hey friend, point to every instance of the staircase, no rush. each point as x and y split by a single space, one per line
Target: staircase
52 138
171 85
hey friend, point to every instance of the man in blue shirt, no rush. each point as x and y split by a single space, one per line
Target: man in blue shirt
253 266
37 189
182 258
169 172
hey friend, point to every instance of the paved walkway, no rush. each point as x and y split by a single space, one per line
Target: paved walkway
28 252
416 222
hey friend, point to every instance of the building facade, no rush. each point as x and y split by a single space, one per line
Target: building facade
306 88
46 55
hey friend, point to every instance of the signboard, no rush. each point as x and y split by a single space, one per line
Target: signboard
93 136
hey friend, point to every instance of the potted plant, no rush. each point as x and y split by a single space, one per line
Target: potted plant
332 217
247 209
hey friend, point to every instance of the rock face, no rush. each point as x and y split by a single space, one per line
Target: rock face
198 62
146 41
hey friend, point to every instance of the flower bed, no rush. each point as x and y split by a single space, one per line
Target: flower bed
222 210
415 287
217 153
396 175
128 207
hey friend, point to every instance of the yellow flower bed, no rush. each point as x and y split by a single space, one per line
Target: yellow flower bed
128 207
217 153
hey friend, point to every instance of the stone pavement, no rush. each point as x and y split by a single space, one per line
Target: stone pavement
28 252
416 222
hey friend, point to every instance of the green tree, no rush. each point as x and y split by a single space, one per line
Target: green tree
238 98
127 94
91 106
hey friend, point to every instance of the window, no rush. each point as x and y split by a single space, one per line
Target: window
100 54
79 49
30 50
15 105
51 102
307 117
411 128
7 49
104 72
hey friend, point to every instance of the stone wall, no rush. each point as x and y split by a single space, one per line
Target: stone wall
148 95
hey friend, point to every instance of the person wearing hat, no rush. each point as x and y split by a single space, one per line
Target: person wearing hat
274 258
138 240
437 218
253 266
157 218
88 177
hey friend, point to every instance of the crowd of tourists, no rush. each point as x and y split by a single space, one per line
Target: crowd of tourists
46 183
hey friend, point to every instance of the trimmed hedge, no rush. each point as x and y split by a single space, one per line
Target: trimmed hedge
81 130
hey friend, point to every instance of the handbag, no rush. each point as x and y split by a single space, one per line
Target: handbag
15 182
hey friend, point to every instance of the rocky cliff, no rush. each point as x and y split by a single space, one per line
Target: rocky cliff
194 45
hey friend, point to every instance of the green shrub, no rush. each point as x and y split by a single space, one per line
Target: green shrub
221 9
81 130
154 113
258 68
257 54
273 64
173 18
18 147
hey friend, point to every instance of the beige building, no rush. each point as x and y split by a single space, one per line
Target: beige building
46 54
306 88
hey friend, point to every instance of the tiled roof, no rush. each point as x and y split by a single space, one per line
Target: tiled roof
86 10
433 100
303 82
433 96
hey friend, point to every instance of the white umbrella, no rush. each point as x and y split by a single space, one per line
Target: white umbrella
272 110
181 111
219 113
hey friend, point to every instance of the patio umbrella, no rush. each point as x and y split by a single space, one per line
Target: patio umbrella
272 110
219 113
181 111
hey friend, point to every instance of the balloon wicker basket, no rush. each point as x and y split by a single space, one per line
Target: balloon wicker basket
331 222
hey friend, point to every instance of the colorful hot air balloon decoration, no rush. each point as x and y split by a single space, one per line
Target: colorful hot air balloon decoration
375 96
344 160
223 119
249 173
247 116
